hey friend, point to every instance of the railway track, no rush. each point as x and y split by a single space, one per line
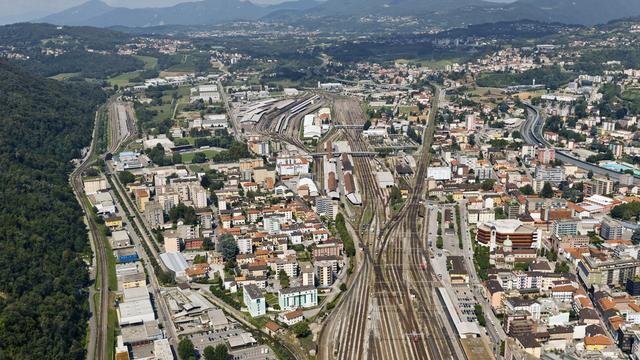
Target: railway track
122 127
402 310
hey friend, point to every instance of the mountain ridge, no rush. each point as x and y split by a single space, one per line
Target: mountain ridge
451 13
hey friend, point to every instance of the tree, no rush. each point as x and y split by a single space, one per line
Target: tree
527 190
547 191
186 213
395 197
636 236
487 184
207 244
284 279
126 177
367 125
343 287
199 158
228 247
301 329
176 158
186 350
561 267
220 352
209 353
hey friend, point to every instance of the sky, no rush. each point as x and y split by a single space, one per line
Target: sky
24 10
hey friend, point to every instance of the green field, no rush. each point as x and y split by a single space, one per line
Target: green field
187 158
149 61
632 94
65 76
124 79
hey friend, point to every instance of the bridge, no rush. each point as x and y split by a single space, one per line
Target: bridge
348 126
352 153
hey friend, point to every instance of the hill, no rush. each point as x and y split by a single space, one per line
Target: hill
31 40
207 12
43 125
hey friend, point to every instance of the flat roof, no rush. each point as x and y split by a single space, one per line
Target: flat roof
462 327
174 261
253 291
241 339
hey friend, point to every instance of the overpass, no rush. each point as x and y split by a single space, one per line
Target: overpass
532 134
352 153
348 126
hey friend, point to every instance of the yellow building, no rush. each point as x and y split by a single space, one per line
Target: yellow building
113 222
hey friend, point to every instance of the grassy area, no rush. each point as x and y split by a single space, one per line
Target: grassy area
65 76
368 216
187 158
123 79
111 264
259 321
111 333
271 299
632 94
149 61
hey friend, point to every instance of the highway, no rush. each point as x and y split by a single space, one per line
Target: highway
532 134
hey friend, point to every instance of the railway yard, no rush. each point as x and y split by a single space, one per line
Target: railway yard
392 311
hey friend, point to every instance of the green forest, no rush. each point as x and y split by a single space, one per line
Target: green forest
43 304
32 39
551 76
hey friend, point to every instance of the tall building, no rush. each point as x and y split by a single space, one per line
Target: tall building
611 229
154 214
549 174
602 186
308 275
610 271
254 300
171 242
325 273
565 227
327 207
546 155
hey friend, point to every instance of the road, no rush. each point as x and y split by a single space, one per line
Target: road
532 134
139 222
495 331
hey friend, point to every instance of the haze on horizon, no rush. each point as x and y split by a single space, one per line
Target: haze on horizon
27 10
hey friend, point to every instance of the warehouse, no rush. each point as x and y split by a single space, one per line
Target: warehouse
310 129
135 312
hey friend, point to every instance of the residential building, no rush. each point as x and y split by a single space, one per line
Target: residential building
254 300
154 214
324 270
611 229
297 297
565 227
607 271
